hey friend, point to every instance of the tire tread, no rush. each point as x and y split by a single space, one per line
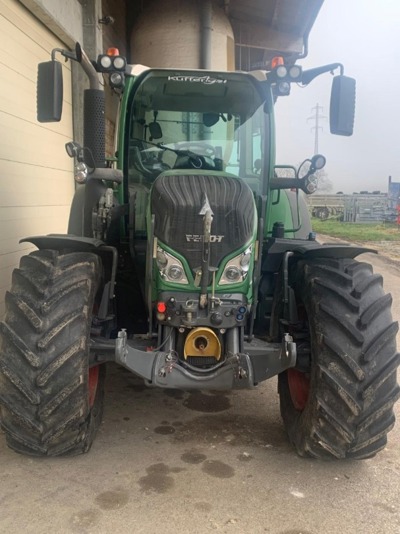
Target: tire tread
44 364
353 384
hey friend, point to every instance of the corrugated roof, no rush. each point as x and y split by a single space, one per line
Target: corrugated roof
272 25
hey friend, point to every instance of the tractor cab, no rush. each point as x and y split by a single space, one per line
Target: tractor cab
192 120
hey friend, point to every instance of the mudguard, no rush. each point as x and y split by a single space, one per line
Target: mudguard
65 241
73 243
274 250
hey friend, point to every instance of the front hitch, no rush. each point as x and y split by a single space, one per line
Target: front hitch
259 361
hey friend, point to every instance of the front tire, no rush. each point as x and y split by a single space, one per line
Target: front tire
51 402
342 405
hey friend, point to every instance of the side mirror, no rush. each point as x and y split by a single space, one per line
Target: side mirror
49 91
343 103
209 119
155 130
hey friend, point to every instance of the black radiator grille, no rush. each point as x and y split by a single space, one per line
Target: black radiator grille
176 202
200 361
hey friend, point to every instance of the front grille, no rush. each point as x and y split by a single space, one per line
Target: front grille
176 202
201 361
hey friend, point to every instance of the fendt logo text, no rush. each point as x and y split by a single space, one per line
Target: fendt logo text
198 238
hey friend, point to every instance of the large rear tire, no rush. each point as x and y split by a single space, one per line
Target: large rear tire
342 405
51 402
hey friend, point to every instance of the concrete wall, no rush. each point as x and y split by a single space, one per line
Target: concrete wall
168 34
62 17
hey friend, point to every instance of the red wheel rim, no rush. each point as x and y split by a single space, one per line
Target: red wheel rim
299 387
93 381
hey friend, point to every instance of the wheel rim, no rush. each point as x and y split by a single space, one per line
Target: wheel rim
93 381
299 387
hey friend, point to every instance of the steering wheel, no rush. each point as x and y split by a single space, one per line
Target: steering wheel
149 164
154 163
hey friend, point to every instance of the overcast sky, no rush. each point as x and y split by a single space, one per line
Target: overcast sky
364 35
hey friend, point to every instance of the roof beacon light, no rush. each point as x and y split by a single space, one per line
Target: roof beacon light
276 61
112 51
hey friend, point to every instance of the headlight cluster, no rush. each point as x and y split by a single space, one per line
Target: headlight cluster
282 76
170 268
237 268
115 65
292 73
311 184
109 63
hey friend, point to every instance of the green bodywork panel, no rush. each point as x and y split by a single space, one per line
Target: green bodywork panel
244 287
279 210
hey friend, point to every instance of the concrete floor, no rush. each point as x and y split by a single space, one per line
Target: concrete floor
173 462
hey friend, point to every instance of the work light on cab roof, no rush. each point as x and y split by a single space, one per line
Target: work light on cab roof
111 61
281 76
114 64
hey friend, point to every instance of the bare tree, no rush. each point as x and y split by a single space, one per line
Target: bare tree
324 183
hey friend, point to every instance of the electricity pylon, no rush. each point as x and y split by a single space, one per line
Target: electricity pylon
317 117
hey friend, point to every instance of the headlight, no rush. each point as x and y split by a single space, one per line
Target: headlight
295 72
116 79
81 172
161 259
281 71
284 88
119 63
175 272
105 61
170 268
110 61
311 184
245 259
233 274
237 268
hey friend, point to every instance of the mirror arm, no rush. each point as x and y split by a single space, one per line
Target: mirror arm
66 53
286 183
309 75
81 57
291 183
90 71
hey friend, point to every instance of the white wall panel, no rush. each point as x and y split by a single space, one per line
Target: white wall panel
36 183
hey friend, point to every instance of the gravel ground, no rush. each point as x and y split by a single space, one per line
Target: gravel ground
389 249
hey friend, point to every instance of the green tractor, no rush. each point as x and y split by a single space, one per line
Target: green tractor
190 261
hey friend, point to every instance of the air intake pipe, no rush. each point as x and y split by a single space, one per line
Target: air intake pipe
94 137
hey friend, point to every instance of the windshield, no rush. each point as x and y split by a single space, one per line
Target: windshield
194 121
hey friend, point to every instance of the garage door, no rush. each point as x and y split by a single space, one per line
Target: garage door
36 184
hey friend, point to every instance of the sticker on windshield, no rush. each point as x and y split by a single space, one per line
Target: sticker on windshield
207 80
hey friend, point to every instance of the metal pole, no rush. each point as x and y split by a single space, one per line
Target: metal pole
205 33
